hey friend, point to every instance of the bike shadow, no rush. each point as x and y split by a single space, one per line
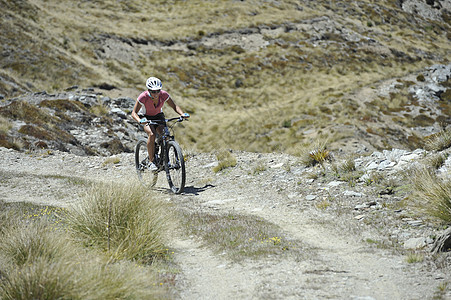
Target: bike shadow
189 190
192 190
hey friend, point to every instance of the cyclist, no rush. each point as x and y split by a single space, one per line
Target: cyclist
149 106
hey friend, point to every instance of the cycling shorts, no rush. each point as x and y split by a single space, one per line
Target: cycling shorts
158 117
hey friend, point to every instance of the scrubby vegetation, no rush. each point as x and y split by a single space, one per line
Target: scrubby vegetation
105 247
432 195
241 237
226 159
122 220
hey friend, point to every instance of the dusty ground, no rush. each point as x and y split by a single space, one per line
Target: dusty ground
336 263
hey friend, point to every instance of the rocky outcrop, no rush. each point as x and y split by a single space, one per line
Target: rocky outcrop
429 9
81 121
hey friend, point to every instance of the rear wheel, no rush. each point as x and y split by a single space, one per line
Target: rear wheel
147 177
175 167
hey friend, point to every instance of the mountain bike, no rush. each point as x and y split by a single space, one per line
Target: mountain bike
168 157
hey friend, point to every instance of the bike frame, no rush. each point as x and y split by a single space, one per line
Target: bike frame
168 156
162 140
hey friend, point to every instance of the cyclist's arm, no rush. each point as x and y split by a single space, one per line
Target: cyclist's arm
174 106
135 111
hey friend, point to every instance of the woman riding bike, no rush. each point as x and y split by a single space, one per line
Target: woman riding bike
149 106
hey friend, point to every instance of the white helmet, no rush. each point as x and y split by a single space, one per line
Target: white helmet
153 84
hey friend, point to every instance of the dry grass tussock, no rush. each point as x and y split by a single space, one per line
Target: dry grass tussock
316 153
124 220
439 141
226 159
5 125
49 253
431 195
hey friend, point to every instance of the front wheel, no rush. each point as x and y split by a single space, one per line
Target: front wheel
147 177
175 167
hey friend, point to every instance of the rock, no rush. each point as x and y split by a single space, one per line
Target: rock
443 242
335 183
310 197
361 206
352 194
211 165
415 243
423 9
277 166
119 112
362 298
395 154
415 223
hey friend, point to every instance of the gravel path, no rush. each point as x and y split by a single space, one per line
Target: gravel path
336 264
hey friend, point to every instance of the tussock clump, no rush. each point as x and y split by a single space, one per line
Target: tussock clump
40 260
21 110
431 194
124 220
316 154
439 141
226 159
5 125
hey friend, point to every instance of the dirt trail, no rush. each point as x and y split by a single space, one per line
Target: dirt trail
336 264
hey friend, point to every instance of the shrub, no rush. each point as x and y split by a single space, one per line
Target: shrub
432 195
38 260
124 220
225 160
439 141
5 125
317 154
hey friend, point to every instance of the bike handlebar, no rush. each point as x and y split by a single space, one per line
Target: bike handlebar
158 122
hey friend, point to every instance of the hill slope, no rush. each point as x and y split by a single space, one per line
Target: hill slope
274 75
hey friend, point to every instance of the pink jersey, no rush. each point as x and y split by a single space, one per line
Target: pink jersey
148 108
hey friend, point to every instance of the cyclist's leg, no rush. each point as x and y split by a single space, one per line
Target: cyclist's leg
160 118
150 130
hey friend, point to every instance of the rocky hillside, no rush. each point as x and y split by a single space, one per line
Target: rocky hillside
87 122
274 75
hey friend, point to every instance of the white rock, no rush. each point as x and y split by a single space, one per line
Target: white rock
415 243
